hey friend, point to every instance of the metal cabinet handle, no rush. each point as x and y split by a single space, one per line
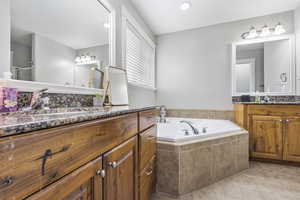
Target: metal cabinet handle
101 173
6 181
148 173
113 164
48 153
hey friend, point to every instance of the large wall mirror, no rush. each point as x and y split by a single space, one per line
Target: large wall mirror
265 66
63 42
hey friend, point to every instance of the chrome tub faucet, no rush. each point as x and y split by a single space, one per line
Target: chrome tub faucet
195 130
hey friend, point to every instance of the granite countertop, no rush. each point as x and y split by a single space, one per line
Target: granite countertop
22 122
268 103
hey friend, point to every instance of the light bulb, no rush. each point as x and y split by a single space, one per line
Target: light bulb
77 59
265 31
252 33
88 58
82 58
279 29
185 5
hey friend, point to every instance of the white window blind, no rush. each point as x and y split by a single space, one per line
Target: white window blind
140 59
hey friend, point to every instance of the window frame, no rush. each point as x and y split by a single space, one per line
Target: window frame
128 18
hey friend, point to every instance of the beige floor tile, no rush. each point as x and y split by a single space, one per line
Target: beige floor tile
262 181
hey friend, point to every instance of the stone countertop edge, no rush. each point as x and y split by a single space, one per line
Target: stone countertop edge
47 123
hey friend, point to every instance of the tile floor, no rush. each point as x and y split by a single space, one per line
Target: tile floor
262 181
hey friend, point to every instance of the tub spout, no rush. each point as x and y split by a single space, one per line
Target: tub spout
195 130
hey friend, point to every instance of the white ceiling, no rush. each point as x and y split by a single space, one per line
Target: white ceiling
164 16
77 24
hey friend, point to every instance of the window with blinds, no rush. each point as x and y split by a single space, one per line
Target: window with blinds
140 59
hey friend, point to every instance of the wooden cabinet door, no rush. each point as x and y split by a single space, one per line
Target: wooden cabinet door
121 166
292 139
147 146
84 183
266 137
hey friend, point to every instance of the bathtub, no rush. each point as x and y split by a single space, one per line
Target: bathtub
174 131
187 162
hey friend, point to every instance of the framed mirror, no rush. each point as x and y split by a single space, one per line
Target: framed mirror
62 42
265 66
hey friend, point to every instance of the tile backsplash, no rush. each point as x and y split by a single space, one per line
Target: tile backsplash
274 98
58 100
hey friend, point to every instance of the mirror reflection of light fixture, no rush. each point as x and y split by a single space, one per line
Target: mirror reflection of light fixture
185 5
86 60
264 32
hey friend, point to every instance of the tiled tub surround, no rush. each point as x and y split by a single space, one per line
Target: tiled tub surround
185 167
21 122
203 114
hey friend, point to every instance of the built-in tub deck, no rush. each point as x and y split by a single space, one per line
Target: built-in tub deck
189 162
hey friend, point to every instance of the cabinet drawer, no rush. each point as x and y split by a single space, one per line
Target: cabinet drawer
147 119
83 183
280 110
33 161
147 181
147 145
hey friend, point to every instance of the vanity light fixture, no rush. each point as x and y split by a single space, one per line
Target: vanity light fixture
279 29
252 33
185 5
264 32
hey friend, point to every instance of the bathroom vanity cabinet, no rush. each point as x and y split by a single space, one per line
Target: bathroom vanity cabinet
107 159
274 130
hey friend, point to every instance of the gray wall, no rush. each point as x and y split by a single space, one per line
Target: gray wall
53 61
193 67
4 36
